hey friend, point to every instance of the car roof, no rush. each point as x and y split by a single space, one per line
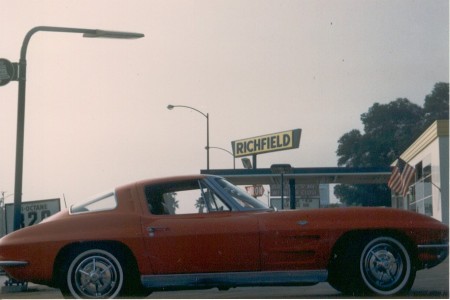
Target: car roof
166 180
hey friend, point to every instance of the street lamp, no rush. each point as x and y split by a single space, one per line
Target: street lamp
170 107
21 77
229 152
246 163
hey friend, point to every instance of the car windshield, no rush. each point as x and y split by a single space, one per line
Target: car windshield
99 203
242 198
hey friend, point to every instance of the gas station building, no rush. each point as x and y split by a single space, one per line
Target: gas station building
429 156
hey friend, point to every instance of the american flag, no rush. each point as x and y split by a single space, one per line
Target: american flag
401 177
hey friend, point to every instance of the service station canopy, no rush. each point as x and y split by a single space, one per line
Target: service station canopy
323 175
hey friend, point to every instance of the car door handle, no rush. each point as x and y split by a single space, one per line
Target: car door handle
151 230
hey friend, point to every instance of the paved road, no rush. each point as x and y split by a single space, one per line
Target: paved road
433 283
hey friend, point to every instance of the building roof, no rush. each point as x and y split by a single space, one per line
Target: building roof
438 129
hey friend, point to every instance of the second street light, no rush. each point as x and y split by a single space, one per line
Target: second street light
170 107
229 152
20 71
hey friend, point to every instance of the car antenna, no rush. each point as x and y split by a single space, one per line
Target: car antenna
65 204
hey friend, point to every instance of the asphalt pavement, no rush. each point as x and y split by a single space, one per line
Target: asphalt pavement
432 283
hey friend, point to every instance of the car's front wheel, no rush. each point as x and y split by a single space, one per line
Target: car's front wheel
94 273
372 265
385 266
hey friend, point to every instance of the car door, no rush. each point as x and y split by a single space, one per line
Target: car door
189 229
290 240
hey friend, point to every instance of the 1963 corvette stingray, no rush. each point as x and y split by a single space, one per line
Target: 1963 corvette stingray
203 232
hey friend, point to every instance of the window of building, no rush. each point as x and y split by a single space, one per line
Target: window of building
418 171
421 200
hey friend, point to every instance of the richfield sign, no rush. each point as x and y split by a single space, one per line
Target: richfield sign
267 143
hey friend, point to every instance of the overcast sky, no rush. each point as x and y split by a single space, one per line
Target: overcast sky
96 113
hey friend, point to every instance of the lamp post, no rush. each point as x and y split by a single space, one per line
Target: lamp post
22 70
229 152
170 107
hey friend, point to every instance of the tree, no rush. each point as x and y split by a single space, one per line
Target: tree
171 202
363 194
350 149
389 129
436 104
201 205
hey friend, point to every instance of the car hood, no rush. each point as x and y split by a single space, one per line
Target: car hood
361 217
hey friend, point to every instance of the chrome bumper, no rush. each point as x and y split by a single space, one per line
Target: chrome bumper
432 254
13 263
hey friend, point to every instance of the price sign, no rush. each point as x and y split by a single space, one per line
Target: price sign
32 212
255 190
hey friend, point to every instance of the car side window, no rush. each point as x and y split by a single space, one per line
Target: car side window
188 197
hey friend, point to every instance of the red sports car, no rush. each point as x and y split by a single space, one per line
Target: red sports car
203 232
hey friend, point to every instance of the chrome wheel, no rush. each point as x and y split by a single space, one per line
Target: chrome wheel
385 266
95 274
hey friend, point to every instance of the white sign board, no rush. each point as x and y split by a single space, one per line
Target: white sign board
302 190
32 212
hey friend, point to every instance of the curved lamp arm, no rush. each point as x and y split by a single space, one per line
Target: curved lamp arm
170 107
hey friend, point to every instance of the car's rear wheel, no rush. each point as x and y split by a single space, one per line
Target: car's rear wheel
372 265
94 273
